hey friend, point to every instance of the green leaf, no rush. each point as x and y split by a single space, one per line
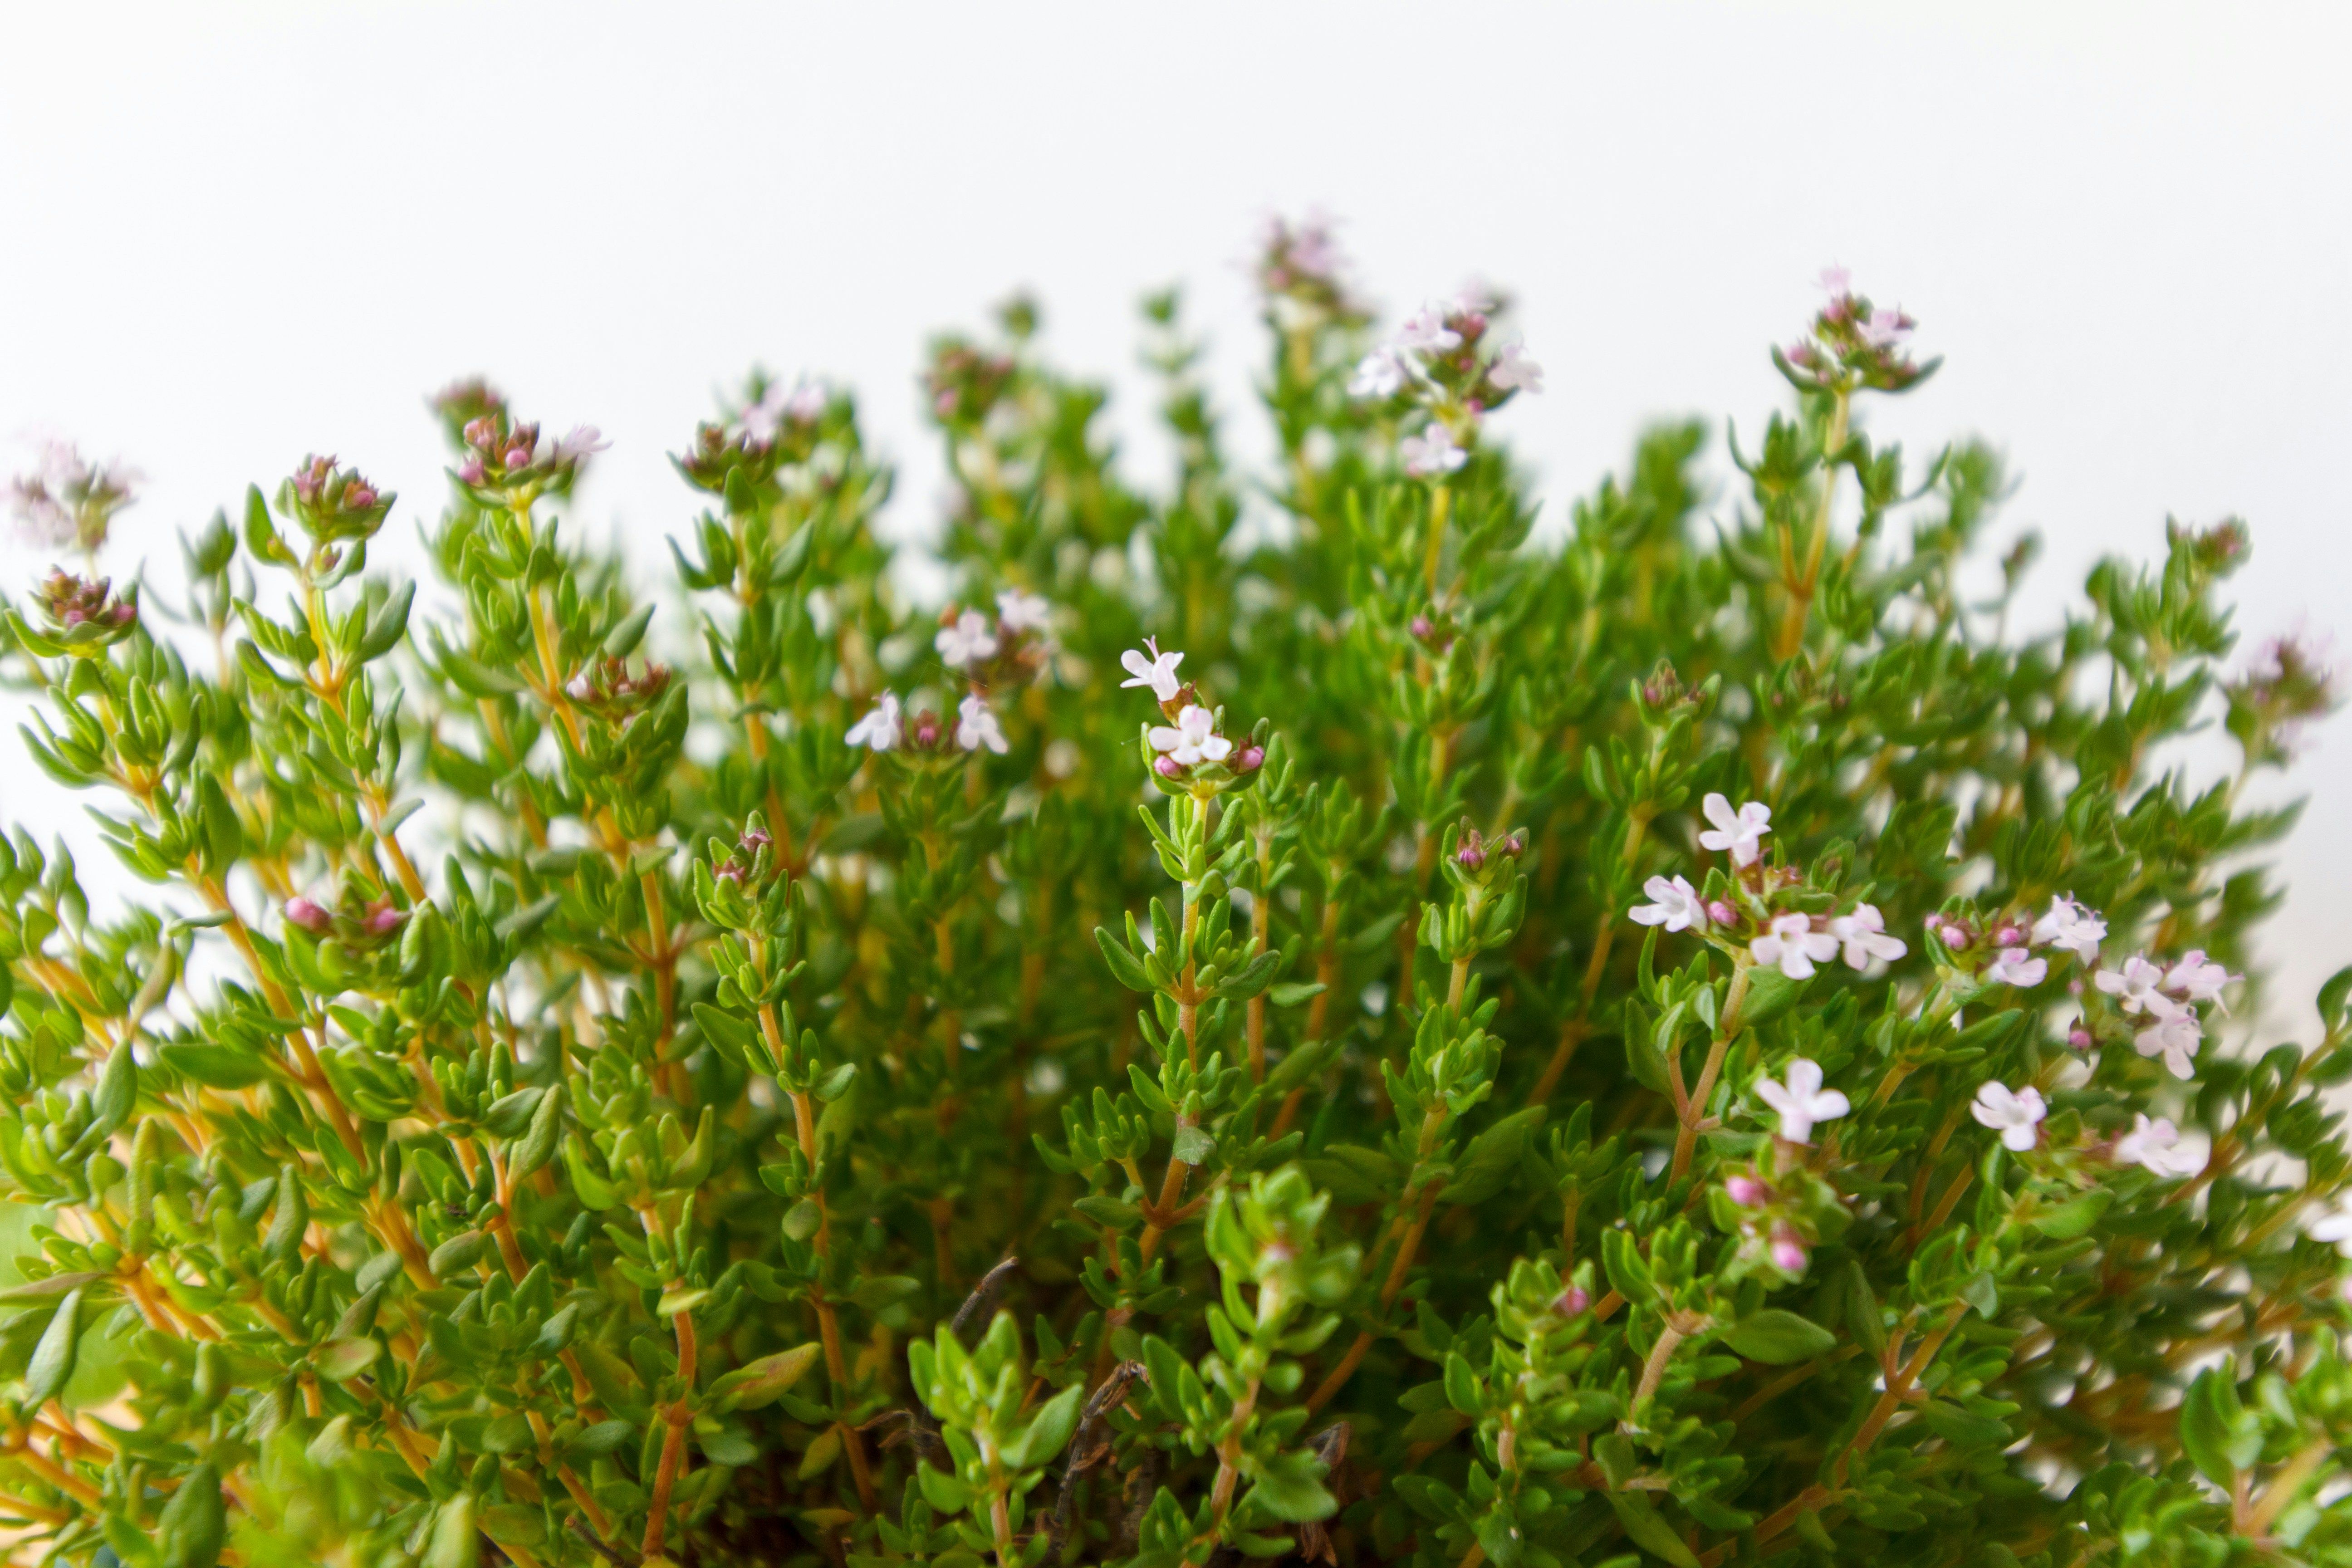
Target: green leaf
1492 1158
339 1360
1649 1532
1777 1336
1124 967
53 1357
215 1067
189 1531
1048 1431
2074 1216
757 1383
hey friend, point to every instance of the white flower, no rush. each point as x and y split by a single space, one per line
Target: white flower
1801 1101
1377 375
1514 372
582 440
2139 985
879 729
1158 672
2198 978
807 402
1676 905
1193 740
1426 329
2015 966
2157 1145
978 727
1884 328
2070 926
2335 1225
1863 936
1430 452
1836 281
970 637
2013 1116
2174 1034
1475 298
1017 611
1738 832
1794 945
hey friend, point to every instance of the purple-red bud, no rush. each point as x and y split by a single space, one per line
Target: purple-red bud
2079 1037
1250 760
382 919
302 913
1747 1192
1571 1301
1166 767
2009 936
1720 911
1788 1254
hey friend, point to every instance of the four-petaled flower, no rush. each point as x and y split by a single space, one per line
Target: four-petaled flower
970 639
1513 371
977 727
1801 1101
2174 1034
1193 740
2015 966
1379 374
2014 1116
2198 978
1019 611
1793 944
1740 832
1863 934
1885 328
1426 329
1158 672
2157 1146
582 440
1430 452
880 728
2138 986
2071 927
1676 905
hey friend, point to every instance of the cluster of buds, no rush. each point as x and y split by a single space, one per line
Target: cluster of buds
461 402
752 860
68 499
924 735
1479 854
1851 343
1010 648
333 502
964 384
2288 681
783 417
609 688
356 923
1303 276
1766 1223
505 457
1191 752
83 617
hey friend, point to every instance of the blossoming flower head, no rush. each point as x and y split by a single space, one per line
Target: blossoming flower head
2016 966
1425 331
1674 903
1158 672
2157 1146
1193 740
880 729
1741 832
66 500
2196 978
966 640
2072 928
1020 611
2174 1034
1433 452
2017 1116
976 727
1863 937
2136 988
1801 1101
1513 371
1791 944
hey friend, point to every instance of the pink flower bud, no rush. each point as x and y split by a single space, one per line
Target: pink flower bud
1571 1301
1747 1191
517 456
1421 628
729 872
1788 1254
1250 760
1720 911
2079 1037
1470 856
1956 936
754 839
359 497
2009 936
1166 767
382 919
302 913
472 472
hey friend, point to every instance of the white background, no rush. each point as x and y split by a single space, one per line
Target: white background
232 235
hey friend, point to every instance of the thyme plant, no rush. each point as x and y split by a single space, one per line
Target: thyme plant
1300 1015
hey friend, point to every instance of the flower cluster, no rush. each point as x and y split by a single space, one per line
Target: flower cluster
1853 343
68 499
1440 359
501 454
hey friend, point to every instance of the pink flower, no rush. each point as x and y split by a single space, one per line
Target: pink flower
2015 966
1675 904
2139 986
2015 1116
1788 1254
574 447
1791 943
1425 331
1885 328
1863 936
1836 281
2070 926
1514 372
1573 1300
976 727
1022 612
1430 452
1739 832
1801 1101
1747 1192
965 642
2174 1034
2197 978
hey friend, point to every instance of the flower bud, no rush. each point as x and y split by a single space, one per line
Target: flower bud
1721 912
2079 1037
383 918
1571 1301
302 913
2009 936
1747 1191
1166 767
1249 760
1788 1254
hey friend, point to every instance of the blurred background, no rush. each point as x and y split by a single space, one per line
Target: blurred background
234 234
